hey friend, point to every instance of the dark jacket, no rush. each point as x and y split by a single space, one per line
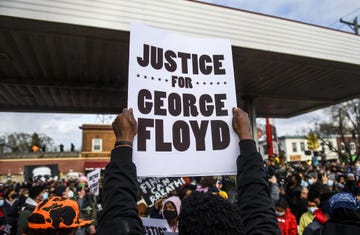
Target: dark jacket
119 214
333 227
23 219
254 199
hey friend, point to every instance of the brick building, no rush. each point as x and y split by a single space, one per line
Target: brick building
97 143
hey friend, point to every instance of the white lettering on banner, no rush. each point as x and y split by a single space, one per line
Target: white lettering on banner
153 189
182 91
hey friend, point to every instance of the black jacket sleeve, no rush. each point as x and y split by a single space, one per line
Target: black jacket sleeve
254 199
119 215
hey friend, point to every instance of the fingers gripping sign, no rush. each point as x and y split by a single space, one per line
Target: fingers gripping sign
125 126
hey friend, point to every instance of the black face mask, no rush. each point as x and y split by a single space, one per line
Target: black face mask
13 196
169 215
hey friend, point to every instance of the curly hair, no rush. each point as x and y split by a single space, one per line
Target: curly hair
210 214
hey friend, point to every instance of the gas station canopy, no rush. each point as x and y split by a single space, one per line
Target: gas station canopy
72 56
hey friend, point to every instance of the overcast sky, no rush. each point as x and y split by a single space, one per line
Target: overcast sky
64 128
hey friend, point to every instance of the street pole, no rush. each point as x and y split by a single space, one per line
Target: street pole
269 138
353 25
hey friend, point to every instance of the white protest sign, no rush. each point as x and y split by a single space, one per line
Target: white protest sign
93 179
155 226
182 91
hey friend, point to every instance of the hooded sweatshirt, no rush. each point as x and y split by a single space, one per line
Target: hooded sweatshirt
176 201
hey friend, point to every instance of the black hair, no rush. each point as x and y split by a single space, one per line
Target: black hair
282 203
209 214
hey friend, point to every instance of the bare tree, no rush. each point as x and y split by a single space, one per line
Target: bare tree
344 121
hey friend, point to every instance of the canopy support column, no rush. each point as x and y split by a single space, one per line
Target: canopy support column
251 110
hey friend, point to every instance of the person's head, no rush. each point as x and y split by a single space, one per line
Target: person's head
11 195
219 184
304 193
313 177
341 179
344 206
64 191
82 182
206 213
312 206
55 216
1 199
187 190
280 207
24 192
142 208
207 181
171 208
38 193
350 177
294 180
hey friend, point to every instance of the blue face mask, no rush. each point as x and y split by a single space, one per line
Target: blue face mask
2 202
312 209
45 196
304 183
330 183
310 181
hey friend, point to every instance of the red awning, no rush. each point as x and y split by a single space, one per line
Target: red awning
92 165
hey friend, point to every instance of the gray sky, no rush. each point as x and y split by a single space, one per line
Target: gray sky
64 128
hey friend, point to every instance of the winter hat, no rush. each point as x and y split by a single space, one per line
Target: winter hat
350 175
56 213
35 191
83 179
176 201
343 200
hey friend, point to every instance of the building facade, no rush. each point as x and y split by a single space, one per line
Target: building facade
295 148
97 143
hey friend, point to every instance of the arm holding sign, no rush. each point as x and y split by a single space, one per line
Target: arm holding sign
205 213
256 208
119 214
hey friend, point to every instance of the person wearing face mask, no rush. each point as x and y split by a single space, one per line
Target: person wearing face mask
307 217
36 195
64 191
286 220
11 206
340 182
330 183
23 195
2 213
171 211
350 183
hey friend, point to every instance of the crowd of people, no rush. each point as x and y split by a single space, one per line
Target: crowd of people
272 197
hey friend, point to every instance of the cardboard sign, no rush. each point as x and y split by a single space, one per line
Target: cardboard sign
182 91
93 179
155 226
153 189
